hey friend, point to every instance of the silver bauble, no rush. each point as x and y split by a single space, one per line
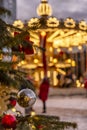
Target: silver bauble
26 98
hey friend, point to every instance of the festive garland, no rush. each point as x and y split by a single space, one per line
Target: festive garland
36 122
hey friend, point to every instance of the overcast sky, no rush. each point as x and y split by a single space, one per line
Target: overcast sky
77 9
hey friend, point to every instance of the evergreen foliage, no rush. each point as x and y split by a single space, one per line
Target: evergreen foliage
13 77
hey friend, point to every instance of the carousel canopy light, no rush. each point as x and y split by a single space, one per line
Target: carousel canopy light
70 23
83 25
33 22
44 9
52 22
62 33
18 23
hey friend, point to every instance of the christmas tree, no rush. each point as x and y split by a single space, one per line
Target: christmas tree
14 45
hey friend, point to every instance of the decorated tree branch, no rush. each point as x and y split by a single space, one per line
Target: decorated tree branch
15 88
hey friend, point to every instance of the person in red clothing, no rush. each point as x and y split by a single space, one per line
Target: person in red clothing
43 92
85 86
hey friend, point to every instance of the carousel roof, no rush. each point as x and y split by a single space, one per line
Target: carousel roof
60 33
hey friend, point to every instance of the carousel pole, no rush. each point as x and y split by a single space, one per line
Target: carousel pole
76 58
43 44
86 57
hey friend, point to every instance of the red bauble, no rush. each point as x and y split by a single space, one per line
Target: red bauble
16 33
28 50
39 126
9 121
13 102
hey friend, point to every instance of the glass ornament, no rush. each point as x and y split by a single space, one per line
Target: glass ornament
26 98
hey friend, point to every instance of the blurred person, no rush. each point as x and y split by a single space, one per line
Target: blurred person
69 79
58 78
85 86
43 92
61 80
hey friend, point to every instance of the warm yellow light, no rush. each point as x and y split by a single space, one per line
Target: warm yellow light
34 35
53 35
69 22
36 41
77 81
13 109
58 49
33 113
80 47
73 64
82 85
83 25
42 74
33 127
48 73
40 64
57 43
44 9
29 66
50 64
43 33
61 71
69 61
33 22
78 84
51 49
18 23
23 62
52 22
54 60
37 76
55 81
19 65
51 59
70 49
36 61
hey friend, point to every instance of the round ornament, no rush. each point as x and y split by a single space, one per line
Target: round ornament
26 98
6 56
9 121
13 103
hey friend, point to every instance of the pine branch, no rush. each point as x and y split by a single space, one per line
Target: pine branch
4 11
45 122
6 79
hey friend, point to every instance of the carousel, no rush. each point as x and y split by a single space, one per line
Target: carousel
64 41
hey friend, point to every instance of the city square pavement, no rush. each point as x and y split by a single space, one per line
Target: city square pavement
71 108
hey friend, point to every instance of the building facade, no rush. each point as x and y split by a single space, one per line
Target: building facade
11 6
